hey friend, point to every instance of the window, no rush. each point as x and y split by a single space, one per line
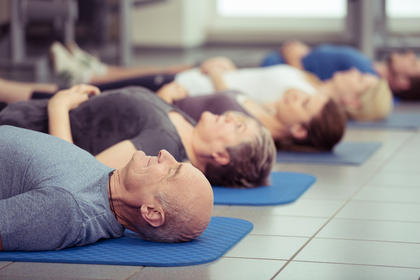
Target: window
282 8
403 8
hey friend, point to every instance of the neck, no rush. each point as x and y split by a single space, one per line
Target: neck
381 67
119 200
265 114
116 193
186 132
329 89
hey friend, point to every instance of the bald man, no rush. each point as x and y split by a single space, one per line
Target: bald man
54 195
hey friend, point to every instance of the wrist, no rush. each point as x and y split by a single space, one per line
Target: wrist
57 107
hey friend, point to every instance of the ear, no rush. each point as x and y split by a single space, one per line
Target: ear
298 131
221 158
152 215
351 102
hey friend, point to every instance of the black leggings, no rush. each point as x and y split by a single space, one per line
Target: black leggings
151 82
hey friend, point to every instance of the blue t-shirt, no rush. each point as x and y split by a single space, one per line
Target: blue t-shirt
53 195
326 59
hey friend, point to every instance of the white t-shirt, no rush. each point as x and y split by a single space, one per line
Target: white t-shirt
260 84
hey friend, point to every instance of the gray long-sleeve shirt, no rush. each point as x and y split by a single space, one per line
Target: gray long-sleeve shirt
53 194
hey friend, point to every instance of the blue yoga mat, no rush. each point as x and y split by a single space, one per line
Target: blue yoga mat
396 120
353 153
285 187
221 234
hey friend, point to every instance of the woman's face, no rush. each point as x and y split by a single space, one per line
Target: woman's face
350 85
297 107
229 129
406 64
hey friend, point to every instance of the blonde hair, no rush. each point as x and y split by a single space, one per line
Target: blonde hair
376 103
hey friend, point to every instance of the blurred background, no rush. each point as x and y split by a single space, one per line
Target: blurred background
164 32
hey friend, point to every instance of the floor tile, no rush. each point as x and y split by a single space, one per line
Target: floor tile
324 271
361 252
371 230
3 264
381 211
8 277
330 192
396 178
300 208
217 209
224 268
333 175
385 194
57 270
407 154
404 165
267 247
283 225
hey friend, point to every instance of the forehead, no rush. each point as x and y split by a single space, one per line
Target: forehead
185 172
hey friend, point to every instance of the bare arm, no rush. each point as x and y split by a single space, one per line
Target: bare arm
172 92
218 80
215 68
117 156
293 52
61 104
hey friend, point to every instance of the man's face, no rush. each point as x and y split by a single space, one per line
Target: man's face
227 130
182 183
297 107
352 84
406 64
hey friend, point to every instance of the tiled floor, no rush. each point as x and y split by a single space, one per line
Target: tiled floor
355 222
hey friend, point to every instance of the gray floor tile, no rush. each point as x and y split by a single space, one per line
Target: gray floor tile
396 194
371 230
284 225
381 211
58 270
217 209
404 178
3 264
267 247
333 175
225 268
404 165
361 252
323 271
301 207
6 277
330 192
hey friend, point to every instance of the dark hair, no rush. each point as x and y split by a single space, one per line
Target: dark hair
413 93
250 163
324 131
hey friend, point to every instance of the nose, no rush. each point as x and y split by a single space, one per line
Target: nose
165 156
232 117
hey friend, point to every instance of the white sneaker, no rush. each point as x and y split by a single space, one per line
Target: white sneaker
91 62
67 68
